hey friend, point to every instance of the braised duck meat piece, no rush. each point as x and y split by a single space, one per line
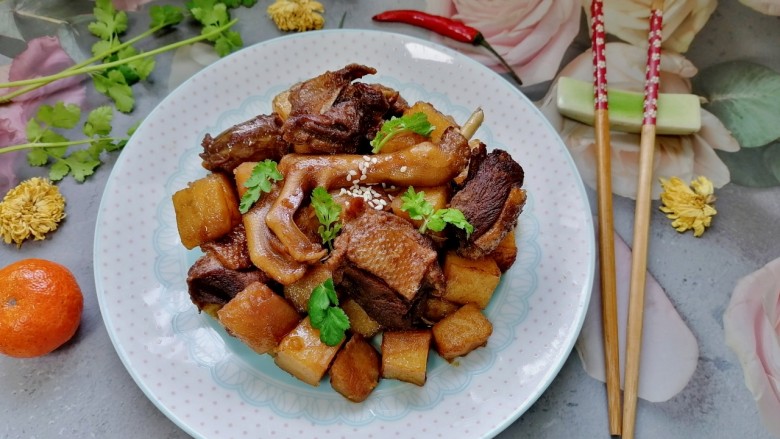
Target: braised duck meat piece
425 164
491 199
383 263
231 250
318 94
352 121
254 140
210 283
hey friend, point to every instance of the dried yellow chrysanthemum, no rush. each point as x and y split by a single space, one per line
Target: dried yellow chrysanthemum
31 209
689 206
297 15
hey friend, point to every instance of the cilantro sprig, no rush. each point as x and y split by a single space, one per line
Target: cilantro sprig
50 147
325 314
415 122
328 212
214 14
263 176
112 84
418 208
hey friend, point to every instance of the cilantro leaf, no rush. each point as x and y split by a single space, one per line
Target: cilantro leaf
328 212
98 121
264 174
60 115
109 21
418 208
114 85
415 122
325 314
48 147
165 15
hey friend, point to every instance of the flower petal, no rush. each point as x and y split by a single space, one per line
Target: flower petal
669 350
752 329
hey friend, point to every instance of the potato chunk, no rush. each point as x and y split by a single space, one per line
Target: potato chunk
461 332
359 320
258 317
355 371
470 280
303 355
506 252
405 355
437 308
206 210
298 292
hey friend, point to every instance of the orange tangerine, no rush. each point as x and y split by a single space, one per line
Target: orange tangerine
40 307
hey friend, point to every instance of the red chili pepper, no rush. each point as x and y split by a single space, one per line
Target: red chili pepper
446 27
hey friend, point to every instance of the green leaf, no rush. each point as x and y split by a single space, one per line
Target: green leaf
415 204
113 85
143 67
746 97
418 208
228 42
104 46
415 122
60 115
37 157
754 167
325 314
165 15
99 121
58 171
261 180
82 164
328 213
34 130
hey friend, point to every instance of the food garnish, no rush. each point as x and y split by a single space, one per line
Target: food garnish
263 176
446 27
689 206
328 213
325 314
32 209
40 307
297 15
418 208
415 122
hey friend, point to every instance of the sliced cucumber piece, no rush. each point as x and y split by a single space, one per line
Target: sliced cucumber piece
677 113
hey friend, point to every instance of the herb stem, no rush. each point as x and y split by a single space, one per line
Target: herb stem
97 67
98 57
34 145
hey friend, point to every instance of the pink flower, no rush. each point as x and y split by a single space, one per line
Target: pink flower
769 7
683 19
752 327
43 56
532 36
129 5
686 157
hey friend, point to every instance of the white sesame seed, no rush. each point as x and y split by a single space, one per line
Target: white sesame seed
403 168
349 177
374 160
363 177
352 172
366 158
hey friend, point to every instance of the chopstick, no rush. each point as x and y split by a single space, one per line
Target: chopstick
642 222
606 225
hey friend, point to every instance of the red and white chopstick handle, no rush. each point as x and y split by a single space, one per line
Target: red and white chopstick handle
653 71
598 44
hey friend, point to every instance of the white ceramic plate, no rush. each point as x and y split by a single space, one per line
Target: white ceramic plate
213 386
